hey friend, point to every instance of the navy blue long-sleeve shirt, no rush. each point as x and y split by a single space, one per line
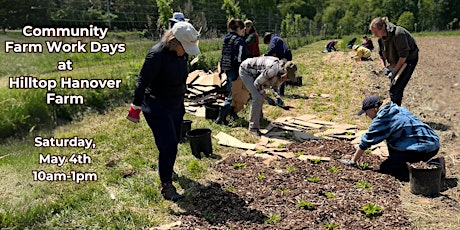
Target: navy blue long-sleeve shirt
163 75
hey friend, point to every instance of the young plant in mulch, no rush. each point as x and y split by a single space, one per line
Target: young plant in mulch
281 146
364 166
290 168
329 195
229 188
300 153
331 225
316 161
283 191
272 219
371 210
306 205
261 176
334 169
239 165
259 151
209 216
314 179
363 184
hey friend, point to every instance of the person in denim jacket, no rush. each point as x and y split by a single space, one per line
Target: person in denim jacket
408 139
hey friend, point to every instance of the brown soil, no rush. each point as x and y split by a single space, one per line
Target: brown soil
251 197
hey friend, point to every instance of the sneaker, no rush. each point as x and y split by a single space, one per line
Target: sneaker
169 192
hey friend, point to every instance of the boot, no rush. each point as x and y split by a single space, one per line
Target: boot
223 113
233 114
169 192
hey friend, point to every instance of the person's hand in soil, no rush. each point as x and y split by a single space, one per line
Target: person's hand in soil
348 162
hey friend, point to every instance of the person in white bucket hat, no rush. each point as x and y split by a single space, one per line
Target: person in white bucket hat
177 17
159 94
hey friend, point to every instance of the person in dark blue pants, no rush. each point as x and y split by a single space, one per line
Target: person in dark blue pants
159 93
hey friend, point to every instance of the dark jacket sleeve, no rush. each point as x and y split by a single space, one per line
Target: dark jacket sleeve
149 71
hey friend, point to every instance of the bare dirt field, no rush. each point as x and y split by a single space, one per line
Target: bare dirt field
291 194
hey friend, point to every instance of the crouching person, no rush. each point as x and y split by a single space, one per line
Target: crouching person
408 139
259 71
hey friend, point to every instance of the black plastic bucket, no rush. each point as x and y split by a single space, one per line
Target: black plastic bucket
425 182
186 126
299 81
200 142
211 111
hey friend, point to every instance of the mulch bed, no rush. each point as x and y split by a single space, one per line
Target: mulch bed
252 195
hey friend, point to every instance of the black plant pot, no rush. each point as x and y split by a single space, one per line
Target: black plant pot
211 111
200 142
425 182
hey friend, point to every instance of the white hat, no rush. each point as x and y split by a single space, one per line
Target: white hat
186 34
178 17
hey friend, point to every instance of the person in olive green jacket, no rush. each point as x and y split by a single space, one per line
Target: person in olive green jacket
396 47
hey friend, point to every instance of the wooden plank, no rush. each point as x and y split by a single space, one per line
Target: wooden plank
345 126
322 122
305 117
303 136
306 124
312 157
227 140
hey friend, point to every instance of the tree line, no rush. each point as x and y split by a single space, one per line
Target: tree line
288 17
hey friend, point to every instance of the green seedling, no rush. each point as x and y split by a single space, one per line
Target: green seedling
334 169
208 216
371 210
283 191
313 179
300 153
330 195
349 133
261 176
239 165
287 135
363 184
367 151
306 205
260 151
280 146
229 188
290 168
270 141
272 218
364 166
331 225
316 161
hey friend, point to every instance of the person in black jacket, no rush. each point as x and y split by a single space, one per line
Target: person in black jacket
159 93
234 51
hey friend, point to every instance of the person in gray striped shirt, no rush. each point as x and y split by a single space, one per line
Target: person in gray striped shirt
408 139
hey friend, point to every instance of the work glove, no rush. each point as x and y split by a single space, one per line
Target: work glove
280 102
133 114
347 162
392 75
386 71
270 101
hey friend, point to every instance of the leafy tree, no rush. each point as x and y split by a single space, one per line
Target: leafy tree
232 9
407 20
164 13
